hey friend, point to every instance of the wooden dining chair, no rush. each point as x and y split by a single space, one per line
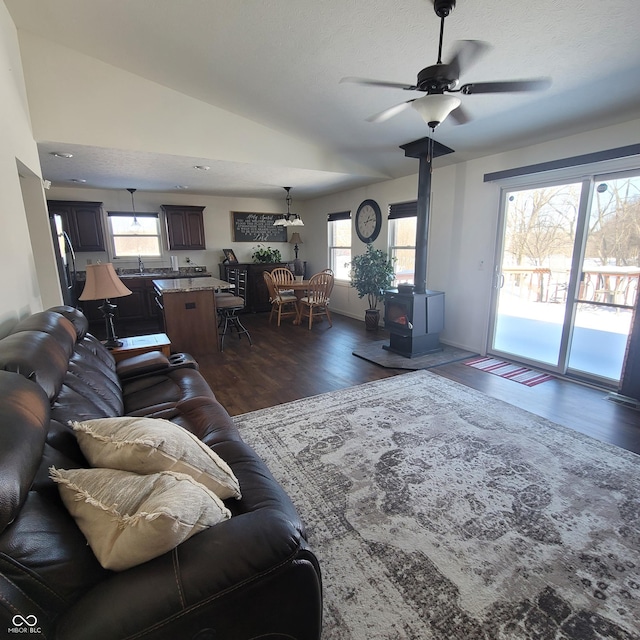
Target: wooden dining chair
282 277
316 302
280 300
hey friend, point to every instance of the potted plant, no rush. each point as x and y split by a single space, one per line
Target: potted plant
372 273
267 255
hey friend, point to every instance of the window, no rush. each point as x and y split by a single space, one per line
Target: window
340 244
403 218
129 239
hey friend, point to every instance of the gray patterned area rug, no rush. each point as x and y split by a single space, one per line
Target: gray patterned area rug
440 513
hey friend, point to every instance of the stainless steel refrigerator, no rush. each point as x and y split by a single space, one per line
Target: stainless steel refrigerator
65 260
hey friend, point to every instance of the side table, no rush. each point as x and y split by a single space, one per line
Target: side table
136 345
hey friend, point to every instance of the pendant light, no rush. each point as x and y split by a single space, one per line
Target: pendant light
289 219
136 227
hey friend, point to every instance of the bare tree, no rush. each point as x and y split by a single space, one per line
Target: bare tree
541 223
614 228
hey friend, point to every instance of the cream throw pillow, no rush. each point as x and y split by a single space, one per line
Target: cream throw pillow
129 518
150 445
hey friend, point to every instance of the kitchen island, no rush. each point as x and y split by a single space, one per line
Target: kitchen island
189 309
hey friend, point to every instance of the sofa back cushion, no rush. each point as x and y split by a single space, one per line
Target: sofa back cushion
48 322
45 562
91 387
38 356
73 368
75 316
24 418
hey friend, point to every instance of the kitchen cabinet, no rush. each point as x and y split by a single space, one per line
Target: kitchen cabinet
256 296
185 227
82 221
137 308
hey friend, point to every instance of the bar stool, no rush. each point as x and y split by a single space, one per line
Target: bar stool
227 307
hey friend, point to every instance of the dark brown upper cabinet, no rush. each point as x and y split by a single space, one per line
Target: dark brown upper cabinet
82 221
185 227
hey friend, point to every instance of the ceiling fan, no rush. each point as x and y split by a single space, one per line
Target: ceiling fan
442 78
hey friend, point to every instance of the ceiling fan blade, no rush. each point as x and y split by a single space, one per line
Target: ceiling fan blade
390 112
379 83
460 115
508 86
467 52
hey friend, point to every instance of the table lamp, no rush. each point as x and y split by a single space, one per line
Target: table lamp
295 241
103 282
297 264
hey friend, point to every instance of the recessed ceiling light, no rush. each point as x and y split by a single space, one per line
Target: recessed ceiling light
181 186
59 154
82 180
202 167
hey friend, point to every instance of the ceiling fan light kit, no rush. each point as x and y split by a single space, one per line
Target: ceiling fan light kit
443 78
435 108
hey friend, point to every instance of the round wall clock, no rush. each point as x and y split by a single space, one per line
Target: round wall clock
368 221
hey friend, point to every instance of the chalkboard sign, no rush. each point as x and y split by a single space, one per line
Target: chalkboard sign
257 227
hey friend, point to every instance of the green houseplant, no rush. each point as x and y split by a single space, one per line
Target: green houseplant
372 273
266 255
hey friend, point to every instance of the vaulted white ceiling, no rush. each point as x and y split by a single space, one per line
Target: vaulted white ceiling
278 63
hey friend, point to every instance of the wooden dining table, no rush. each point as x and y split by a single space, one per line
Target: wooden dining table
299 287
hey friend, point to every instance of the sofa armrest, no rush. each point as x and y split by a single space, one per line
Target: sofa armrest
153 362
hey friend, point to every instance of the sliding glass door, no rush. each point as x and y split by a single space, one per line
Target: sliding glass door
608 286
567 275
533 276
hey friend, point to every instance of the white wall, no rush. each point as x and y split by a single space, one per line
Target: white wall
21 285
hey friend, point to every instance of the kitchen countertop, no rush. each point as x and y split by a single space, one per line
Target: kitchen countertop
127 274
177 285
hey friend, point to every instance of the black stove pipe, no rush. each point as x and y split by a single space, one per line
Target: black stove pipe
426 150
422 224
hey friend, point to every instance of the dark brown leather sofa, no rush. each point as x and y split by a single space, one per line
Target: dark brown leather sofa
252 576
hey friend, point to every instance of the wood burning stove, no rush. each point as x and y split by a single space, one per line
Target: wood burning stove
414 316
414 321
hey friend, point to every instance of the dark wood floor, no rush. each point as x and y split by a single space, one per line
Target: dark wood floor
288 362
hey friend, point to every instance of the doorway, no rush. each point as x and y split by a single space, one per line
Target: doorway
567 276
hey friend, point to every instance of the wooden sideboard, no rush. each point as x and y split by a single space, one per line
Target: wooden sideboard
256 296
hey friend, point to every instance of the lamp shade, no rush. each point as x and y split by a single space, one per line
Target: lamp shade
103 283
295 238
435 108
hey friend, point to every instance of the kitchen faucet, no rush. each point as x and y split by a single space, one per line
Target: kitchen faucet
140 265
